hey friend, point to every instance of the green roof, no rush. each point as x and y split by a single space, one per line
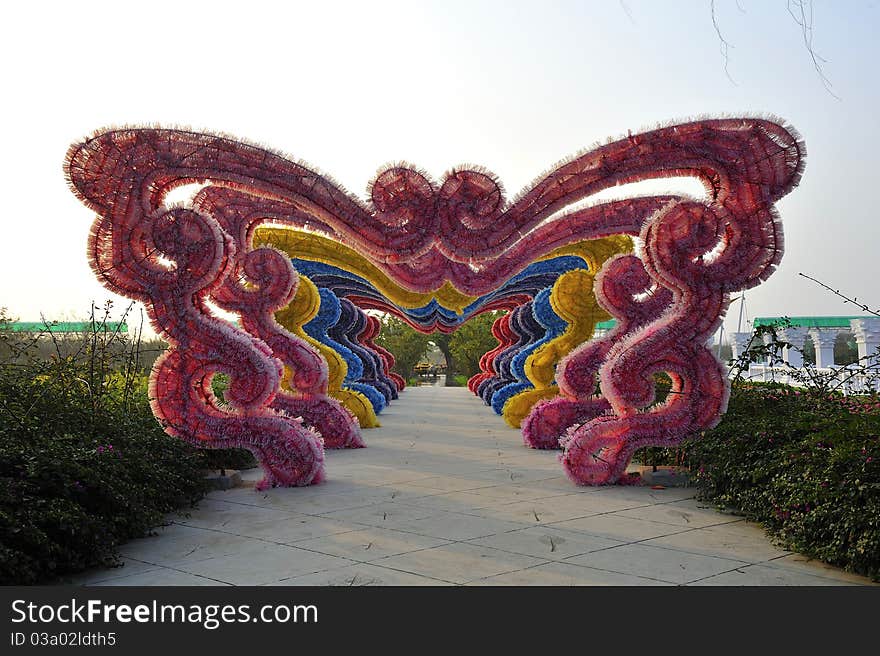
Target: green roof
63 327
807 322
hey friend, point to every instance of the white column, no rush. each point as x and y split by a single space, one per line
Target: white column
738 343
796 336
823 341
867 334
768 340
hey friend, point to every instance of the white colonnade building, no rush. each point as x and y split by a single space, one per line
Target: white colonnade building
823 332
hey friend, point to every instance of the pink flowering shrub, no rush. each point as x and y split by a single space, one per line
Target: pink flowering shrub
804 466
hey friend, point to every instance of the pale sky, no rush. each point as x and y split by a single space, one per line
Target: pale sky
512 86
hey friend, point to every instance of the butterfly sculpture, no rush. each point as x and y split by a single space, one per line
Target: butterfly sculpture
424 235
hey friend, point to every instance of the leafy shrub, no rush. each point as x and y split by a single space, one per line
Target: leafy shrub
84 466
804 462
659 455
805 466
224 458
75 481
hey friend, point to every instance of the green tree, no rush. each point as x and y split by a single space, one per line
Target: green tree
406 344
461 349
8 339
468 344
845 349
443 342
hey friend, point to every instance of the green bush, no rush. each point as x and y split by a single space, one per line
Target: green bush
76 481
84 465
658 455
805 466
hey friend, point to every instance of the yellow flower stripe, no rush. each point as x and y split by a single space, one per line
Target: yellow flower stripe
302 309
573 300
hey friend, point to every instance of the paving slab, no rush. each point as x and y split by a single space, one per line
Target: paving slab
362 574
452 483
799 563
384 514
263 563
546 542
457 526
645 494
754 575
178 544
467 503
460 562
162 576
102 576
544 511
737 540
668 565
617 527
294 529
370 544
687 513
564 574
217 512
446 494
519 492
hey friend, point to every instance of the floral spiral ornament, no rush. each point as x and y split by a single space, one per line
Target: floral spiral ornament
341 380
573 302
261 282
457 238
370 332
700 252
500 331
374 369
361 367
624 289
543 325
504 375
132 231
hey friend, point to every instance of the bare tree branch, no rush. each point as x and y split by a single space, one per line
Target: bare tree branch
626 10
847 299
724 45
801 12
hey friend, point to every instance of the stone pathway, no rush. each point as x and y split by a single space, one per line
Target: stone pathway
446 494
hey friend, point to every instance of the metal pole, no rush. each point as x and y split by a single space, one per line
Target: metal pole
742 302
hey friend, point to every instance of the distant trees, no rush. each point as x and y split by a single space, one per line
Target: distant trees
845 349
468 344
443 341
406 344
464 348
7 338
461 349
